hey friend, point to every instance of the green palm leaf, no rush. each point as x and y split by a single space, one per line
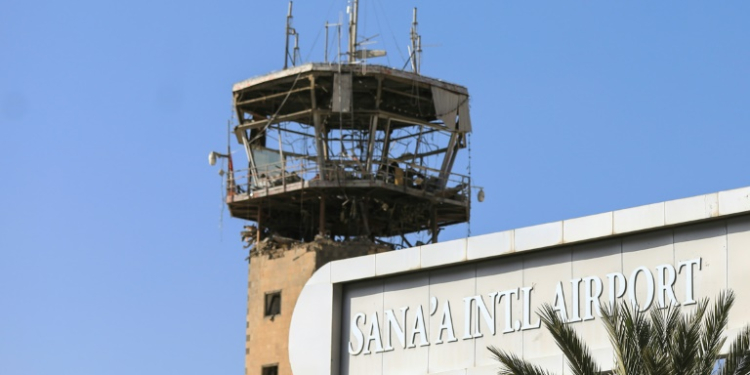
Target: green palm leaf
513 365
712 329
737 362
664 342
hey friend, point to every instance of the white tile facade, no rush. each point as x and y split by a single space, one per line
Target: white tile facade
451 285
398 261
493 276
539 236
691 209
734 201
443 253
639 218
585 228
490 245
738 276
399 292
632 241
352 269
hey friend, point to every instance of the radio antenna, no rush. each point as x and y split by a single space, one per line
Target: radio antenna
353 19
416 45
290 31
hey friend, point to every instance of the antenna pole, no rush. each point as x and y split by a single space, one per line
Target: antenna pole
419 54
353 19
325 58
416 44
296 56
286 35
338 29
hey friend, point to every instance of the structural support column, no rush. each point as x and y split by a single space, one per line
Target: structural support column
365 213
386 143
374 126
249 151
320 145
371 142
322 219
433 224
450 157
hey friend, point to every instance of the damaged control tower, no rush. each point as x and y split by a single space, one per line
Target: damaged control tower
345 158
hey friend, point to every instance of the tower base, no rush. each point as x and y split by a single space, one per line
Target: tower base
277 274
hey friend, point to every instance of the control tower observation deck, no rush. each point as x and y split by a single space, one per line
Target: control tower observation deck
350 150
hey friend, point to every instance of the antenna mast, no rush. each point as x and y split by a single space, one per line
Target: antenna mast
325 53
353 19
416 45
290 31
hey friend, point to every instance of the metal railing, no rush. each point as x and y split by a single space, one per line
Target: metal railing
398 173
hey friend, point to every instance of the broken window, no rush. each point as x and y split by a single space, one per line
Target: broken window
270 370
273 304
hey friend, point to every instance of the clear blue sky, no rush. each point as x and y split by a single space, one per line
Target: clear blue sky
112 258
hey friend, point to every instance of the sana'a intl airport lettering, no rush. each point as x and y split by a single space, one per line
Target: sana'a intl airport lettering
410 331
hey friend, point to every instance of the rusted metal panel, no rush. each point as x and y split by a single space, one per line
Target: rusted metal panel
342 93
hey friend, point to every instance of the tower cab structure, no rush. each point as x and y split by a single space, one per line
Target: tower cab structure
350 150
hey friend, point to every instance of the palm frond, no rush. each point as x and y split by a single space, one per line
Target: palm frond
575 350
684 353
737 361
663 323
711 332
664 342
623 328
513 365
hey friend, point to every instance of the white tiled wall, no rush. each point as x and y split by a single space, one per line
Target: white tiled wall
723 246
534 257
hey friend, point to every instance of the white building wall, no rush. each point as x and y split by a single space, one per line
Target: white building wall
714 228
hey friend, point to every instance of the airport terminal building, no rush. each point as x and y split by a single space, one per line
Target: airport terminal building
434 309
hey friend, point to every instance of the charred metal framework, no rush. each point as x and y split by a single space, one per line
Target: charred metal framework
350 150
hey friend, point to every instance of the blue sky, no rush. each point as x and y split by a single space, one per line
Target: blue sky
115 254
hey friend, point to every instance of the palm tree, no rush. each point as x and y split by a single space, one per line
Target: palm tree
664 342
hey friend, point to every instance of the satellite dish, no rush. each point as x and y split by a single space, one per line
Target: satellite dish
212 158
480 195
